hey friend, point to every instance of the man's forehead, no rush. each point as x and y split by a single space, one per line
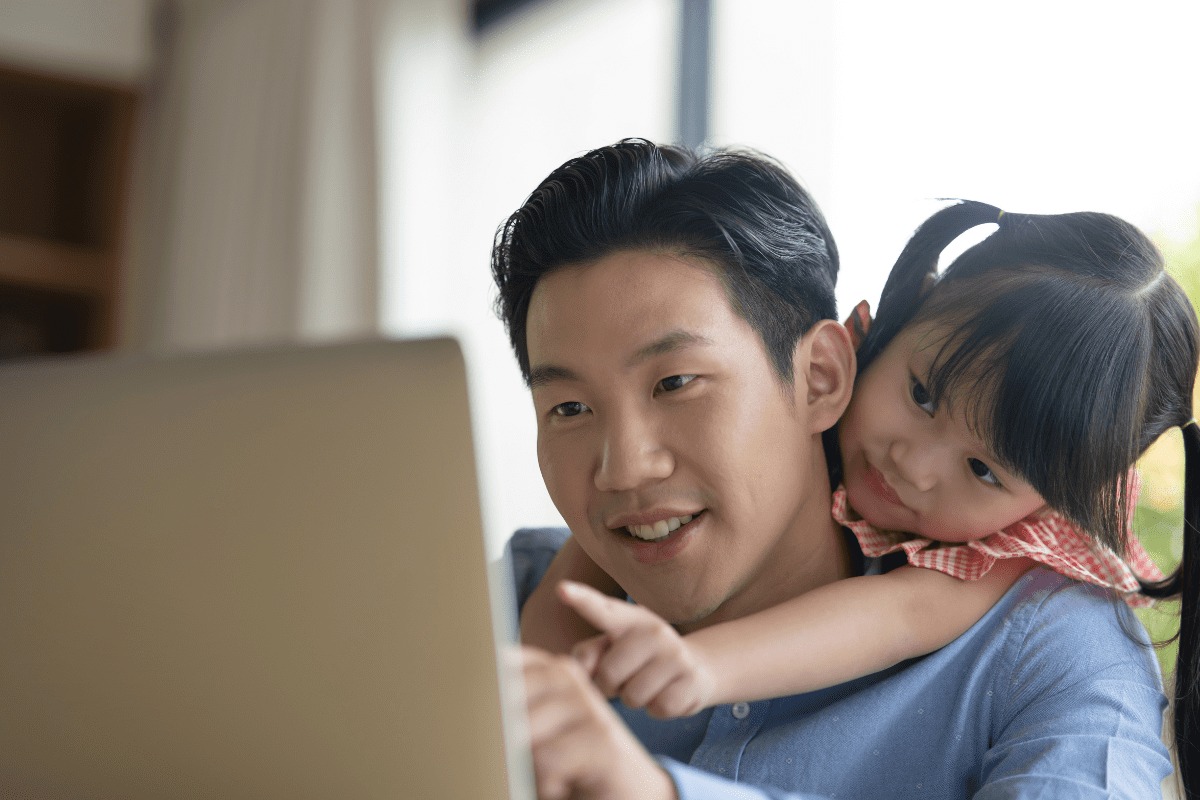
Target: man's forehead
623 310
670 342
600 293
625 266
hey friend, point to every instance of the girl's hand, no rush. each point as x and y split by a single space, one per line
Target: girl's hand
638 656
859 322
548 624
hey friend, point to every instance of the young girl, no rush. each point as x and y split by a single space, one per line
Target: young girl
998 411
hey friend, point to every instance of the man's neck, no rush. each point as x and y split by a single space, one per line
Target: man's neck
813 554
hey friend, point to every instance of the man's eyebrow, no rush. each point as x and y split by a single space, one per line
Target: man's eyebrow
675 340
541 375
544 374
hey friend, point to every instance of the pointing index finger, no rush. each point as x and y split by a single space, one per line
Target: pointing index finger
605 613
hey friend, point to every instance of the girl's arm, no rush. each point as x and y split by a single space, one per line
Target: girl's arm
844 630
545 621
841 631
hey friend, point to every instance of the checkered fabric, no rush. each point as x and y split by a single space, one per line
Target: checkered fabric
1046 538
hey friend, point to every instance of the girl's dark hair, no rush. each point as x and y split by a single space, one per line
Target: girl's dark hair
739 210
1070 350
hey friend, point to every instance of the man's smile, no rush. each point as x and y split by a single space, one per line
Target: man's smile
660 540
659 530
654 525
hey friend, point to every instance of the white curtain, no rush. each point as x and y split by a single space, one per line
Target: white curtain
255 211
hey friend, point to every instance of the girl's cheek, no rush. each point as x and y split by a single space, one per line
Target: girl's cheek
853 435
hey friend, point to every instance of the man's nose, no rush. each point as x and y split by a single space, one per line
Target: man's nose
632 455
916 464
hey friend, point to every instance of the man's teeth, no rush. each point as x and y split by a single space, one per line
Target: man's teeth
660 529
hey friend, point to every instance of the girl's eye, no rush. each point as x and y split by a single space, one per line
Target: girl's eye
982 472
920 395
675 382
569 409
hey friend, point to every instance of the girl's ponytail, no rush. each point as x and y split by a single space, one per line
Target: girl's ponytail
907 283
1186 582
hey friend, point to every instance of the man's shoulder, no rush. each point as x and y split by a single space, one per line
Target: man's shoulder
1044 597
1048 619
1048 634
530 551
538 540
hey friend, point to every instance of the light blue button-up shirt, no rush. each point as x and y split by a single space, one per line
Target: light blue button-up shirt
1045 697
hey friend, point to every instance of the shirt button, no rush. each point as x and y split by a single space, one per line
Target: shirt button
740 710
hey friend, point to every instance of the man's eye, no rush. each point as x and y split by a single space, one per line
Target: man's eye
675 382
920 395
569 409
983 472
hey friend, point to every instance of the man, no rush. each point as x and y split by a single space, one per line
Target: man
674 318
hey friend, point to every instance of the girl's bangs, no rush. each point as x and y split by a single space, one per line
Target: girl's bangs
1048 372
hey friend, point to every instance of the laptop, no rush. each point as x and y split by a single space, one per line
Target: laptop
249 574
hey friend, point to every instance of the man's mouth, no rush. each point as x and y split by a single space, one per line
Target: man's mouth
661 529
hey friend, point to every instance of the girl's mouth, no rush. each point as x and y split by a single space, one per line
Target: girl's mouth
880 487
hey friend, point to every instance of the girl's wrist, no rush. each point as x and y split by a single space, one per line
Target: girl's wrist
713 686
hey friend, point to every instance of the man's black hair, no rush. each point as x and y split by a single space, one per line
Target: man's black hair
739 210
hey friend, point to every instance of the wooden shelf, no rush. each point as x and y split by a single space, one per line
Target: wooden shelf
64 170
39 263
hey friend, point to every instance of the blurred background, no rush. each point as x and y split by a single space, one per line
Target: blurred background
190 174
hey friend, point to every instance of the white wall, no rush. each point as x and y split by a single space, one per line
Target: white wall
105 40
1034 105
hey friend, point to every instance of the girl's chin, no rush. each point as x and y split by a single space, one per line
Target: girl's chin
867 508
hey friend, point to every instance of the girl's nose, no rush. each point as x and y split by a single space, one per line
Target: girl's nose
916 465
632 456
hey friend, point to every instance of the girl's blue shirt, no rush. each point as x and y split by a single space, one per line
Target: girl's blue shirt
1046 696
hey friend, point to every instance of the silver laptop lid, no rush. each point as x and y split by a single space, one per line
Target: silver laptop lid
255 574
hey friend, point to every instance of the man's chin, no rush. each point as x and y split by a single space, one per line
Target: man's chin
688 615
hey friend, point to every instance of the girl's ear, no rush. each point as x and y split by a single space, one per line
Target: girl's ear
927 284
824 360
858 323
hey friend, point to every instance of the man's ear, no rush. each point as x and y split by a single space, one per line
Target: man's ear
824 362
